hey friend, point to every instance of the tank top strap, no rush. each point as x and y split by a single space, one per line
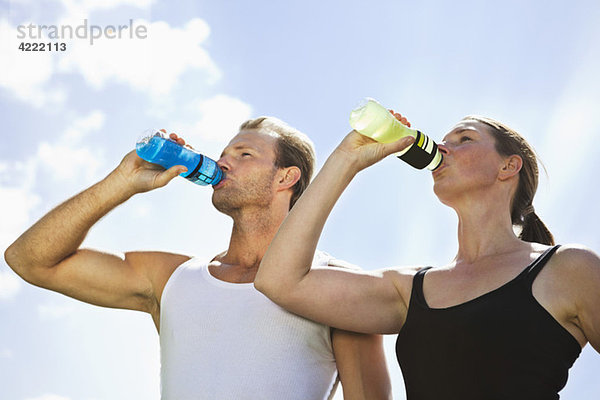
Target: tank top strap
417 288
534 268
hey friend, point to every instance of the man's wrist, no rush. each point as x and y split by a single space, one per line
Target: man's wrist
118 186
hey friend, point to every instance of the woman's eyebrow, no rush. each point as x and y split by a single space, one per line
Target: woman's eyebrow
458 131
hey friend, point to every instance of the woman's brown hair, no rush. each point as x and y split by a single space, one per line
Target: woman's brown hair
509 142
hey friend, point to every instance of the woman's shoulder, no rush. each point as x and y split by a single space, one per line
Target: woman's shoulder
402 277
575 268
566 256
579 268
405 272
575 256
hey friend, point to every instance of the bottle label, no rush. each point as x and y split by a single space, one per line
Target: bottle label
421 153
207 172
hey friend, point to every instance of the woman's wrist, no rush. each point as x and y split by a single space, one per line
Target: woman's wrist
344 162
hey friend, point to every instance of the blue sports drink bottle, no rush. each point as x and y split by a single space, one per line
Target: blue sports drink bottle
157 148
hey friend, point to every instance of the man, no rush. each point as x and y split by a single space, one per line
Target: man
220 338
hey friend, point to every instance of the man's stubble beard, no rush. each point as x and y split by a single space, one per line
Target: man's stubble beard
255 192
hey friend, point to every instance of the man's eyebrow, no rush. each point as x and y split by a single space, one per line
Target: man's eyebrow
240 146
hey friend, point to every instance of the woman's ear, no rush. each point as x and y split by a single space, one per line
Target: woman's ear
512 166
288 177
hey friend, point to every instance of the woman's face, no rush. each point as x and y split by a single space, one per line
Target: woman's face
471 163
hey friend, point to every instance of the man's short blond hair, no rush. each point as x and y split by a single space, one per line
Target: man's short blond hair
293 148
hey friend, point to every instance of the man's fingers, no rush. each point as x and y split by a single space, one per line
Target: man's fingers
166 176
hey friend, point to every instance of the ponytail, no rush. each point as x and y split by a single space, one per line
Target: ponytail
534 230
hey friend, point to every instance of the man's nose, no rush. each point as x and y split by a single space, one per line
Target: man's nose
224 164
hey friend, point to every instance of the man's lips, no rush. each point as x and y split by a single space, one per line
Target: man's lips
220 184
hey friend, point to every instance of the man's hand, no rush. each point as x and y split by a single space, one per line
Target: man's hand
179 140
137 175
49 253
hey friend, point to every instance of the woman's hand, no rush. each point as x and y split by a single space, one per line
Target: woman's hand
362 151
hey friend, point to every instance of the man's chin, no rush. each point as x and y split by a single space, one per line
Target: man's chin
222 203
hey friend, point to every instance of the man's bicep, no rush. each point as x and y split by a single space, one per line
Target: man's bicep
113 280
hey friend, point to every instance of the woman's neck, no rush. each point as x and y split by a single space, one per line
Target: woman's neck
485 229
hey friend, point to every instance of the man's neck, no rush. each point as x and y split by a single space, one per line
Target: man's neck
251 235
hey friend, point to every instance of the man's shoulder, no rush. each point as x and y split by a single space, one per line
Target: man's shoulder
157 266
159 260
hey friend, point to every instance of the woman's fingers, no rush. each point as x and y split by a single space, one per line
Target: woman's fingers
400 118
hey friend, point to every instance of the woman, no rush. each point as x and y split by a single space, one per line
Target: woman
505 319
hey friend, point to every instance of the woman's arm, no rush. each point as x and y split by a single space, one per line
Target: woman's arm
350 300
582 267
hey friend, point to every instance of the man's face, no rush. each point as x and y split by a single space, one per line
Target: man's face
249 165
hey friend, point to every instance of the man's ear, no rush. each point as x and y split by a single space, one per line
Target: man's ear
511 167
288 177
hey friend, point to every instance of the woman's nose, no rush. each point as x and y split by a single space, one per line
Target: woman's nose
443 148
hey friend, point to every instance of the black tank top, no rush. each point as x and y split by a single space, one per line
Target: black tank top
502 345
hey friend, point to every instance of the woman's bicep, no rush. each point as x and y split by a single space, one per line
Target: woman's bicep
354 300
589 296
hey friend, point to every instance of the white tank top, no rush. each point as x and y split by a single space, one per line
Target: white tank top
222 341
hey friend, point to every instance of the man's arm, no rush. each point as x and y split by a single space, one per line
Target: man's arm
49 255
362 367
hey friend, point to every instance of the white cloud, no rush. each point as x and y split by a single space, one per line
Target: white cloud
19 174
143 209
48 397
54 311
573 129
152 65
94 121
16 204
64 162
10 285
65 159
26 74
91 5
6 353
78 10
220 118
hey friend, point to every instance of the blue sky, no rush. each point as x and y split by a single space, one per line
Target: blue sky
204 68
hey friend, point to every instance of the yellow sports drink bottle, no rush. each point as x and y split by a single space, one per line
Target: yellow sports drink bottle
373 120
